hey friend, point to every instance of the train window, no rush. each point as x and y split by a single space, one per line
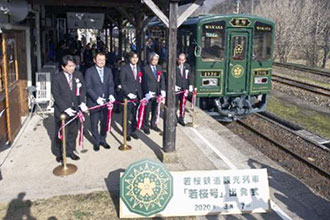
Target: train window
184 41
238 47
262 42
213 41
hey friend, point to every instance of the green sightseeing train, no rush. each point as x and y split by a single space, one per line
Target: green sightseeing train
231 57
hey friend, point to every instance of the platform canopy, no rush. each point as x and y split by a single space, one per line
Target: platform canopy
113 9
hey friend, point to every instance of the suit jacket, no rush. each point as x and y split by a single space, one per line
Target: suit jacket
149 81
65 97
95 88
129 83
181 81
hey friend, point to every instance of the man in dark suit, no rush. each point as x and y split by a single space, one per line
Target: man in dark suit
153 85
65 87
131 82
184 82
100 88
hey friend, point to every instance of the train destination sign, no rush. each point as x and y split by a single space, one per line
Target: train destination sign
149 189
240 22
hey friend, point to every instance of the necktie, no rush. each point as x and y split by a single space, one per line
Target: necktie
154 71
134 71
70 80
101 74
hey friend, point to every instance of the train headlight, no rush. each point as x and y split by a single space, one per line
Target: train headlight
260 80
210 82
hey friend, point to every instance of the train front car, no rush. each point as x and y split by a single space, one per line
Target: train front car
233 63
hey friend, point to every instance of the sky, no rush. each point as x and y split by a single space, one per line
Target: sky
208 4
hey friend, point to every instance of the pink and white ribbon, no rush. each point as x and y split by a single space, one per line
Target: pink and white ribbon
159 100
193 99
109 115
81 117
81 133
184 96
140 113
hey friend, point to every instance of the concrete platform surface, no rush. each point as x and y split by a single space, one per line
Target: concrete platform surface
27 166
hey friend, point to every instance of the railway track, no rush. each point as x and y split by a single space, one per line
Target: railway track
320 90
304 69
289 145
283 147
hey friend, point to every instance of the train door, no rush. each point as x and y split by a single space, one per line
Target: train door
237 62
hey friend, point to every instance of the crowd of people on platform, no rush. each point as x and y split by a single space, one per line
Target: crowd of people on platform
102 84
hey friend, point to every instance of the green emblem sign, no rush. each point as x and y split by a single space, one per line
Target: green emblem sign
237 71
146 187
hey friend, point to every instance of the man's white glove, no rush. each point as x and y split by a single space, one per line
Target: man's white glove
131 96
111 98
152 94
147 96
177 88
163 93
70 112
100 101
83 107
191 88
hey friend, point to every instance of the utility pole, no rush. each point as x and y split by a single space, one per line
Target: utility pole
169 116
172 22
238 2
252 7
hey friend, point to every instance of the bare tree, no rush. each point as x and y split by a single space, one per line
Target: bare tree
313 33
230 6
326 45
286 15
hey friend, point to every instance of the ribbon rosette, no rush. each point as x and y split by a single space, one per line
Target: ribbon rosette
186 74
159 74
78 87
140 77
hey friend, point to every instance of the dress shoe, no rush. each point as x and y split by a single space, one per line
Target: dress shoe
74 157
96 147
155 128
181 122
128 138
105 145
59 159
146 130
134 135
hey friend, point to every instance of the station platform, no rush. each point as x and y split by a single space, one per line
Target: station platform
27 167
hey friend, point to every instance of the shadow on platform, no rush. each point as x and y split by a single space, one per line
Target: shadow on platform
312 201
117 120
19 208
